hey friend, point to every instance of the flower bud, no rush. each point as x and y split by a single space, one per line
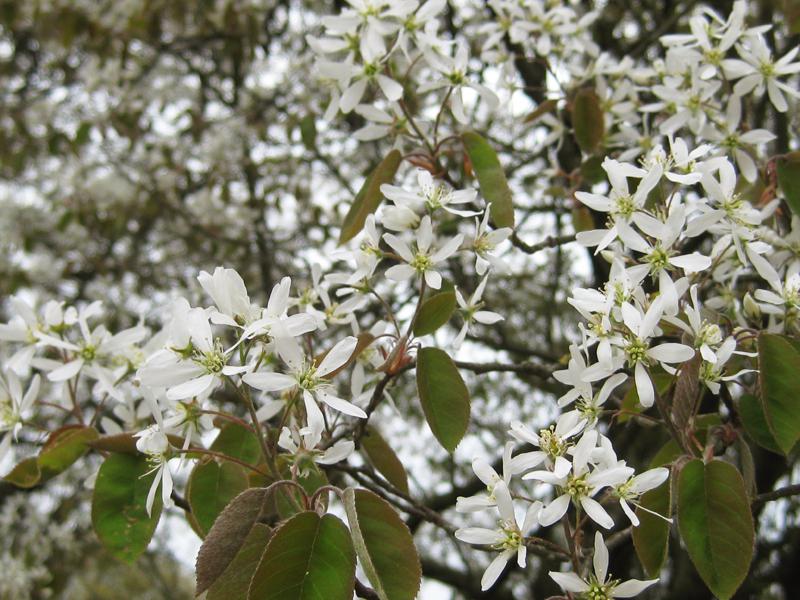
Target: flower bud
751 308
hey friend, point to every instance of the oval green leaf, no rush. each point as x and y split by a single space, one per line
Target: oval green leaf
64 447
755 423
119 515
491 178
587 120
369 196
435 312
212 485
444 396
228 534
651 537
384 546
715 523
239 442
384 459
234 582
25 474
779 364
788 169
308 558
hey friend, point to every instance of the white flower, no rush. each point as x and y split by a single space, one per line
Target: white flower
599 586
455 76
620 203
193 367
424 258
310 379
304 443
153 443
229 293
508 538
758 70
579 486
472 311
637 348
14 406
485 242
432 195
511 466
630 490
95 346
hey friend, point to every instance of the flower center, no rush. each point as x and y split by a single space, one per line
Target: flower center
551 443
636 351
88 353
577 487
422 262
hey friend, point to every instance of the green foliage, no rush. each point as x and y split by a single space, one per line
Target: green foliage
384 459
234 582
436 310
715 524
444 396
755 423
587 120
308 558
651 537
491 177
237 441
779 365
384 546
369 196
212 485
119 515
788 169
228 535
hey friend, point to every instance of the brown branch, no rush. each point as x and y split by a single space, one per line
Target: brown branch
785 492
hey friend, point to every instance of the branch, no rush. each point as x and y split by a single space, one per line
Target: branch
548 242
526 368
785 492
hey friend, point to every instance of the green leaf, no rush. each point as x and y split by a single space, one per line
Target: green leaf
715 523
444 397
308 558
587 120
384 459
434 312
119 515
289 500
308 131
369 196
779 364
491 178
384 546
239 442
212 485
630 403
788 169
651 537
25 474
228 535
547 106
64 447
234 582
755 423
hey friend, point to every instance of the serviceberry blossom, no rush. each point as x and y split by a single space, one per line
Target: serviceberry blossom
508 538
599 585
424 257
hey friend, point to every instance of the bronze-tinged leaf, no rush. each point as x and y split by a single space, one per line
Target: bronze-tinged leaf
369 196
716 524
685 397
779 365
491 178
384 459
444 396
307 558
384 545
588 121
435 311
228 534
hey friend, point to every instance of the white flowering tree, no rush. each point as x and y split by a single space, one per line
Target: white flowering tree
383 296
